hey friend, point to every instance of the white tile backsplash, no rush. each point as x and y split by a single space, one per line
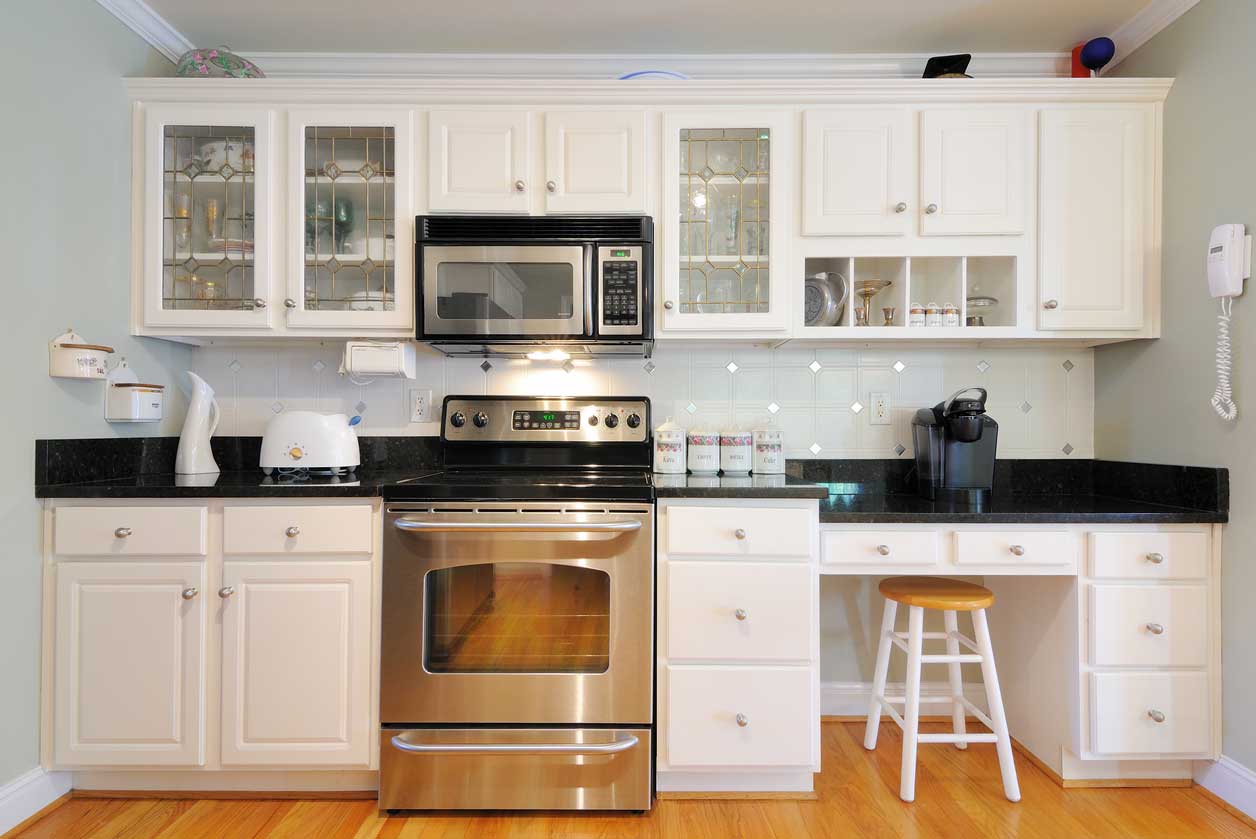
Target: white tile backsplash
1043 405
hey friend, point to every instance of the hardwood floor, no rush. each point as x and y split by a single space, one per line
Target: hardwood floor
958 795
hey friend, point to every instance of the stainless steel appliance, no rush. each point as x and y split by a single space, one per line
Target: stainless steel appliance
519 285
955 444
518 612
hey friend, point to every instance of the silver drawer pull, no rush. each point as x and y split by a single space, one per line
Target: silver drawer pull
1155 558
900 207
520 186
1051 304
1155 628
1017 550
122 532
1156 716
742 720
292 532
741 614
621 744
414 526
884 550
740 533
931 209
226 591
189 593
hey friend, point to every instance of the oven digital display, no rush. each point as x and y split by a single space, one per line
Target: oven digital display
554 420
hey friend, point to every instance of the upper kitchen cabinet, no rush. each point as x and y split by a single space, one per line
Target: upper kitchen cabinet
727 221
974 170
352 182
858 172
478 161
595 162
1096 218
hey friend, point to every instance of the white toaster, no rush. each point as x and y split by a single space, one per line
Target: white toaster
309 440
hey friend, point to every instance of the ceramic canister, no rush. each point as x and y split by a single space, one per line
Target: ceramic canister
736 451
769 458
703 451
669 449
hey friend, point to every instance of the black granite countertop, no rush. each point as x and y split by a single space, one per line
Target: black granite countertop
737 486
871 508
246 483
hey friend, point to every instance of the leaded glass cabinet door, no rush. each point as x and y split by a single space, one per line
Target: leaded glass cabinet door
728 213
209 175
350 221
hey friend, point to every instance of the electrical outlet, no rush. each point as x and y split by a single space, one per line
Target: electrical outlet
881 409
420 404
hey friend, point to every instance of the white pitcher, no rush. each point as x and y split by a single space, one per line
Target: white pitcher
194 456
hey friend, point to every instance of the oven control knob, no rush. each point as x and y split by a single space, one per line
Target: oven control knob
611 420
480 419
634 420
458 419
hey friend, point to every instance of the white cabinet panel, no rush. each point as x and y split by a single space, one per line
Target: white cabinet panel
130 531
1015 548
306 529
973 172
1125 707
129 664
1149 626
296 663
478 161
595 162
765 532
891 548
1095 217
1149 556
739 611
858 167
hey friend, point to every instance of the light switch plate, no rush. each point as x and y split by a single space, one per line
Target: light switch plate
420 402
881 409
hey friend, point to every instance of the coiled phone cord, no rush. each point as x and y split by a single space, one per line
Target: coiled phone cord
1223 397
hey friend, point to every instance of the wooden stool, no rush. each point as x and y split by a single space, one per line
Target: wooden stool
950 596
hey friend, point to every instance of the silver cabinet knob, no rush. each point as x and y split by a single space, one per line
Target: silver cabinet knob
740 533
289 303
292 532
259 303
551 186
189 593
1156 716
1155 628
1017 550
740 614
520 186
122 532
743 720
669 305
1155 558
884 550
1051 304
931 209
900 207
226 591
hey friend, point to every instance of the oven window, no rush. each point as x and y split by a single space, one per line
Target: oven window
517 617
505 290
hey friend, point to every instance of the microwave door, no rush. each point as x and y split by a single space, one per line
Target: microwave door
499 291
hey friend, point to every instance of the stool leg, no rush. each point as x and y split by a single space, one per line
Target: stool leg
911 709
957 679
884 646
994 697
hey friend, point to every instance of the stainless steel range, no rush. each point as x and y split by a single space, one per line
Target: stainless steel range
518 612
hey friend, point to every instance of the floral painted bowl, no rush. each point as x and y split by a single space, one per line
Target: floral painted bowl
216 63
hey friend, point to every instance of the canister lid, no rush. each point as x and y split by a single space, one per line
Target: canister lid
669 425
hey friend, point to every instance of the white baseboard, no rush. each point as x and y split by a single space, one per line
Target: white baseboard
1230 781
29 793
260 780
850 699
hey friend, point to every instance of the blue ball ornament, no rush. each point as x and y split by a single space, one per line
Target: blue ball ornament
1097 53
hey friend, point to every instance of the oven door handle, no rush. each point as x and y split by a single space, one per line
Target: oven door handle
415 526
621 744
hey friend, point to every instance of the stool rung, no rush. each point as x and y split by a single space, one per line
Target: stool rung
928 636
956 738
894 714
937 636
975 711
937 658
934 700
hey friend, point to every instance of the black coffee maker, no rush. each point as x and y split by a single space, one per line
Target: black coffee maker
955 443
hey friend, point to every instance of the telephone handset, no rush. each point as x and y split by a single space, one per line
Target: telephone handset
1229 264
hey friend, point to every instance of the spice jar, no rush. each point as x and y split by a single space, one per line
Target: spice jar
933 314
950 315
916 315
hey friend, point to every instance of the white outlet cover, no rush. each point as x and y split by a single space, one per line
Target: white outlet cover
881 413
420 402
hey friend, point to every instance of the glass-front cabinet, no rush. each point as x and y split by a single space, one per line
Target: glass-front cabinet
727 221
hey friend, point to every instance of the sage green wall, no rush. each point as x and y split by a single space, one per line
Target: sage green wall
1152 396
65 258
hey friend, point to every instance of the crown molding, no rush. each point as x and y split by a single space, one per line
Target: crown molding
1142 27
137 16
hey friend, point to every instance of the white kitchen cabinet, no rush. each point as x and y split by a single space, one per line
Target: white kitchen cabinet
1096 217
595 162
295 663
1150 713
859 170
974 170
478 161
129 653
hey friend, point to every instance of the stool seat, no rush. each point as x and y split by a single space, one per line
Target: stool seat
936 593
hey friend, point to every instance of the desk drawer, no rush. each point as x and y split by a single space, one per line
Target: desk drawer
890 548
739 611
765 532
1025 549
1148 626
1149 556
312 529
130 531
1124 708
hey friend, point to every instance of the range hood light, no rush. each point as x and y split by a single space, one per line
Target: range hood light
548 355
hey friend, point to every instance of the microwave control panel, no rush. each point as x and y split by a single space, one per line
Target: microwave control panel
619 291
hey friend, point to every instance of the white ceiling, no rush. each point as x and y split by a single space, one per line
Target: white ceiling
646 26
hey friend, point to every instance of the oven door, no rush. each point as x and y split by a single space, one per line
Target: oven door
517 613
506 291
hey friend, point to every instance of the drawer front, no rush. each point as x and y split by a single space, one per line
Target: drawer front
1017 548
740 531
1122 705
739 611
703 704
1148 626
331 529
130 531
881 547
1149 556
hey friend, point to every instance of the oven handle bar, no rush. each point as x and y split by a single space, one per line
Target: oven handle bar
622 744
415 526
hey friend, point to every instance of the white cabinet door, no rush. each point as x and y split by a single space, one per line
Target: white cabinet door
478 161
296 670
1163 713
130 664
595 162
858 169
1095 217
973 170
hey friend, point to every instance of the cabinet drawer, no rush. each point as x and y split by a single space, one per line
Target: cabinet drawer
330 529
740 531
1122 707
130 531
703 704
1013 547
883 547
1150 556
1124 620
739 611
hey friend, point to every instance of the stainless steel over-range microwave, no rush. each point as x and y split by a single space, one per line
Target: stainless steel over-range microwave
535 286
